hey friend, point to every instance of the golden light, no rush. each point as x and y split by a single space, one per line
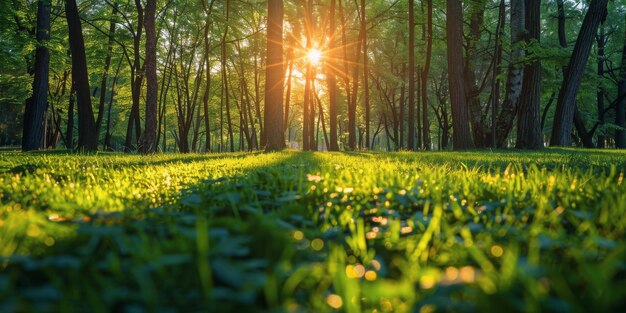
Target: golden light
314 56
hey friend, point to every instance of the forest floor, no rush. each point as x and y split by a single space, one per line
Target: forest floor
295 231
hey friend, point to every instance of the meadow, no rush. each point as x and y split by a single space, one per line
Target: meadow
477 231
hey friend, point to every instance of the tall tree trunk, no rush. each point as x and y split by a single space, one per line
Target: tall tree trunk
226 94
528 116
274 77
620 108
87 136
515 75
136 82
107 132
476 29
105 72
332 81
425 72
411 119
34 113
207 90
454 30
346 78
366 74
287 95
601 41
566 103
149 138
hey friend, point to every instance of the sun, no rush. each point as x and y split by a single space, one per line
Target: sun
314 56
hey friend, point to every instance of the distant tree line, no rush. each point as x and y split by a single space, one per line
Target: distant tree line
213 76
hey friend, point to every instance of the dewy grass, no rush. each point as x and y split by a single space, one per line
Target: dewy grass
319 232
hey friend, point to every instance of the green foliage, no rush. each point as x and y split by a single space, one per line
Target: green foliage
516 231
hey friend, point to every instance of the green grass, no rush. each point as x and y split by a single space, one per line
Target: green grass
291 232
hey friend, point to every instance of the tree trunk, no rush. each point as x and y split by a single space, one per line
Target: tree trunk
515 75
136 82
620 108
105 72
207 91
566 103
332 81
274 78
601 41
411 119
35 110
149 137
366 74
87 136
425 71
476 112
454 30
528 116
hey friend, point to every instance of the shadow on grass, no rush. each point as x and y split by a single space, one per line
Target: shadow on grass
219 248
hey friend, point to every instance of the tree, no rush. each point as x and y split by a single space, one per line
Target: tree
87 135
528 115
274 77
425 72
411 120
566 103
454 29
332 80
620 110
515 74
34 113
149 136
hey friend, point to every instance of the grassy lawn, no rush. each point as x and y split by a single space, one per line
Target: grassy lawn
314 232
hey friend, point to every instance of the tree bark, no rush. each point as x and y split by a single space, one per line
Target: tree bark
35 110
411 117
366 87
332 81
454 30
515 75
105 72
425 71
87 136
620 108
274 77
149 138
528 117
566 103
601 41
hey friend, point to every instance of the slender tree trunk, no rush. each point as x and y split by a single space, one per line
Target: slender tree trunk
107 132
35 111
566 103
600 93
87 136
515 75
226 94
149 142
288 95
207 90
366 74
411 119
136 82
105 72
528 116
425 72
332 81
620 109
274 77
476 29
454 29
